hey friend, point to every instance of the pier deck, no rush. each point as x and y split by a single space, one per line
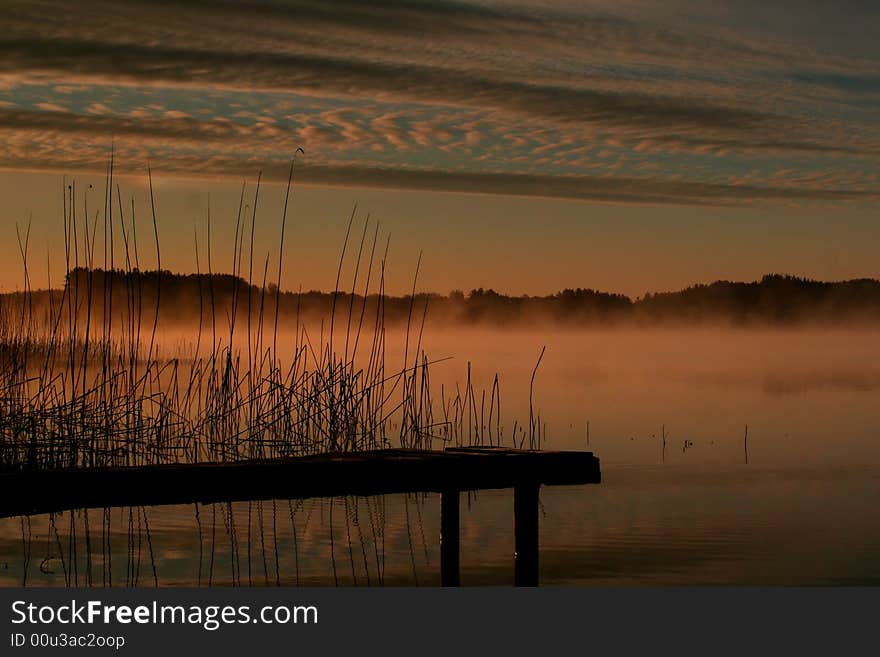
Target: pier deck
380 472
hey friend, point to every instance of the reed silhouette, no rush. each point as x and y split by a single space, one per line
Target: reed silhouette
86 381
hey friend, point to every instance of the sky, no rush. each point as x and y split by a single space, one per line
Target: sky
627 146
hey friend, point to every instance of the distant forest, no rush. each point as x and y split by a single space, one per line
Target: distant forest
774 300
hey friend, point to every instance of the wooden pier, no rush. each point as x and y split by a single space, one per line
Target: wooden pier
381 472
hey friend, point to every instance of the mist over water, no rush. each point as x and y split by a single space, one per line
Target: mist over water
800 512
808 395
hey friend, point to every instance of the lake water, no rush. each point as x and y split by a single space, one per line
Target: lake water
802 511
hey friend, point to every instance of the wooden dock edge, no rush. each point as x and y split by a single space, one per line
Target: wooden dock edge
368 473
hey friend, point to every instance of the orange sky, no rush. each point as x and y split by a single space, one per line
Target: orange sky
523 145
515 245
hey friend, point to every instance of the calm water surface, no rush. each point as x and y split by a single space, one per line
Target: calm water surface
802 511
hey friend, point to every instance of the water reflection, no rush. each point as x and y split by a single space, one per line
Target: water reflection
643 525
800 513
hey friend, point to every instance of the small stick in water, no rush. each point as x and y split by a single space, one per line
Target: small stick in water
663 438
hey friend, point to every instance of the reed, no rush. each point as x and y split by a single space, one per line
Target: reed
85 380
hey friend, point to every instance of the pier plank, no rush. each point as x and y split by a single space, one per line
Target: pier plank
376 472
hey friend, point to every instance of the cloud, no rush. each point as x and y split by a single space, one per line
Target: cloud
466 91
193 52
594 188
684 121
51 107
56 119
35 154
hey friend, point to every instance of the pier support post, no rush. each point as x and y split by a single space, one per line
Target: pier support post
450 538
525 512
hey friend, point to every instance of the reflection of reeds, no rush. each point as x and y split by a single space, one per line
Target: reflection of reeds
137 548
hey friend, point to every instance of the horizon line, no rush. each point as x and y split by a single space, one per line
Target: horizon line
466 293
